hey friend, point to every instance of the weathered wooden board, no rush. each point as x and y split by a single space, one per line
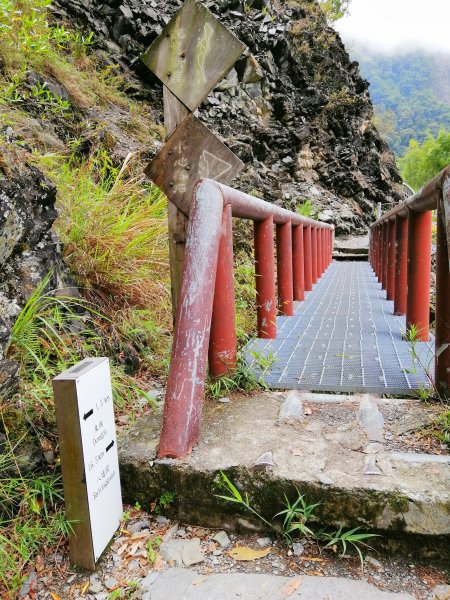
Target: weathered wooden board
193 152
193 53
174 114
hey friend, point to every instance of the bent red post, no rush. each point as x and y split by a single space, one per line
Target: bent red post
186 380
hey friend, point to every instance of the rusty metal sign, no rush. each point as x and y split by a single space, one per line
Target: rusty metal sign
193 152
193 53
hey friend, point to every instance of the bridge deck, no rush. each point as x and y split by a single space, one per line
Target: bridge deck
343 337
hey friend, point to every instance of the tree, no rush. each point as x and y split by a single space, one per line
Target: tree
335 9
423 161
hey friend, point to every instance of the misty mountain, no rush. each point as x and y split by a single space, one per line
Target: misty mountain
410 91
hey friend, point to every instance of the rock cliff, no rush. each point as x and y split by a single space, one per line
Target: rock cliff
295 109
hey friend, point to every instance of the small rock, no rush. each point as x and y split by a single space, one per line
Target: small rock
95 586
441 592
264 542
191 552
201 533
222 539
323 478
298 549
374 563
161 520
28 585
292 407
110 583
138 526
224 400
265 460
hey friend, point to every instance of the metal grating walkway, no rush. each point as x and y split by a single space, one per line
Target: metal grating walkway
343 337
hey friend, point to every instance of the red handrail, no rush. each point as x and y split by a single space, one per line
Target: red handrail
400 255
206 311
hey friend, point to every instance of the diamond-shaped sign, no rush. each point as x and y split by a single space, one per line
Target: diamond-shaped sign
193 53
193 152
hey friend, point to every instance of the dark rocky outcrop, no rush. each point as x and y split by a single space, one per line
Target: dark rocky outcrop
295 109
28 250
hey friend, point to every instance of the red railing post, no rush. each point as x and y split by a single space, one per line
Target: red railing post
390 287
381 259
401 265
298 266
186 380
319 252
314 254
419 268
265 279
323 233
222 342
379 251
385 254
374 235
442 354
307 245
373 246
285 269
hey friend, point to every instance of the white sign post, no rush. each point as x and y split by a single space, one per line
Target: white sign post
89 459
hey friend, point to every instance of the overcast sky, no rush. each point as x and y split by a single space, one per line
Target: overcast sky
393 25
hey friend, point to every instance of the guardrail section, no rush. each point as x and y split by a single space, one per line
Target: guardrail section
400 255
205 323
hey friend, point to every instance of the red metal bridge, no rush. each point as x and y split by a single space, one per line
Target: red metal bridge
341 327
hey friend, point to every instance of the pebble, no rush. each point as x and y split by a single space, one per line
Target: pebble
222 539
263 542
161 520
95 587
441 592
138 526
298 549
375 563
110 583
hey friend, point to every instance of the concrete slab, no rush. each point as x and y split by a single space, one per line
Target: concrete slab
174 584
325 457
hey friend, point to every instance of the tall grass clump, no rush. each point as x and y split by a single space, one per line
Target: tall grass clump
113 224
114 228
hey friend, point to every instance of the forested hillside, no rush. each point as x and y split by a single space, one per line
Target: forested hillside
411 93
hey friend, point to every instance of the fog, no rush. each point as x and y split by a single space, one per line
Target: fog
394 26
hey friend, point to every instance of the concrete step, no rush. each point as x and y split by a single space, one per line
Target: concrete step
349 256
177 583
336 454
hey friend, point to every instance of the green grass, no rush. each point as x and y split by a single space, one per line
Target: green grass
31 518
297 517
